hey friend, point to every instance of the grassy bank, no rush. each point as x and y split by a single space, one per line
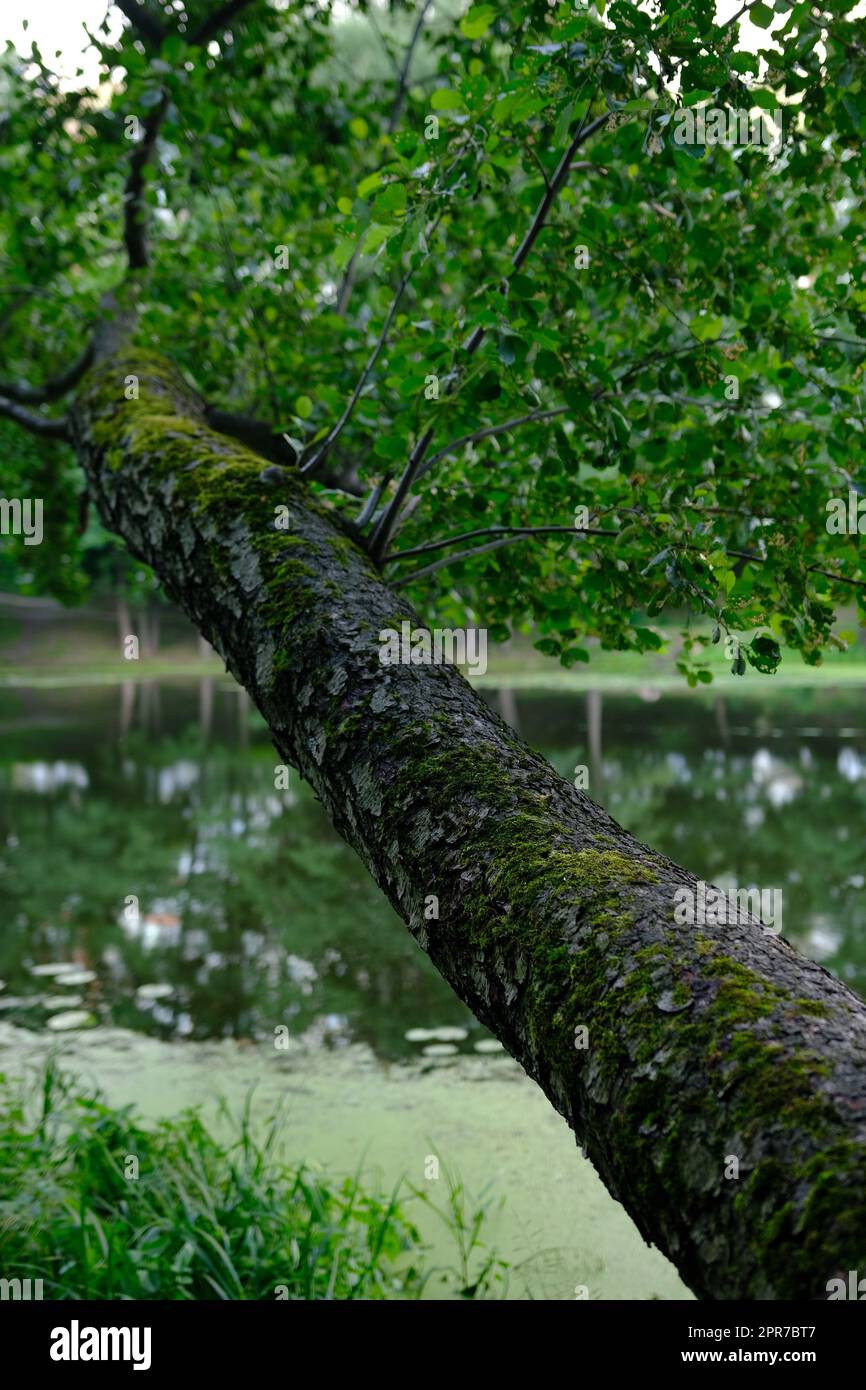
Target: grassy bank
82 652
98 1206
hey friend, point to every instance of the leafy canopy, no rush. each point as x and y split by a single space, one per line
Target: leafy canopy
686 330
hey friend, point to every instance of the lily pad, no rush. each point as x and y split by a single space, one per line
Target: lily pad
77 977
72 1018
447 1035
154 991
443 1035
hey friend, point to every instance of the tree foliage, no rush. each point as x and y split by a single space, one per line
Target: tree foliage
591 373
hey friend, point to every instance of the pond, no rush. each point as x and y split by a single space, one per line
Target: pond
156 882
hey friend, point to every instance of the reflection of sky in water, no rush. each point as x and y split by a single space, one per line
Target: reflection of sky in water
851 765
47 777
250 916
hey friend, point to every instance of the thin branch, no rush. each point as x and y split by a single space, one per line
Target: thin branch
501 530
334 433
348 281
754 559
837 578
560 175
372 502
744 9
403 83
382 535
834 338
383 42
527 533
36 424
54 387
134 229
231 264
488 433
220 17
388 520
532 532
452 559
142 20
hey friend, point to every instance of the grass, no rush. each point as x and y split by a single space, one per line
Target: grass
99 1207
91 660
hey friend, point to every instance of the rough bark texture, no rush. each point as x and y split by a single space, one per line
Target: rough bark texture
703 1042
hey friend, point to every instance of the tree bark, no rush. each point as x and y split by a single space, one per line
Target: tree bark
703 1044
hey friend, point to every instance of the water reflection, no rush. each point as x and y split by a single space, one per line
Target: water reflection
147 857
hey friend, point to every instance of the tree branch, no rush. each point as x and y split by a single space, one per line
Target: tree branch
220 17
268 440
388 520
54 387
452 559
403 82
348 281
561 173
498 530
36 424
383 42
134 228
516 533
333 434
583 133
488 432
510 534
142 21
371 503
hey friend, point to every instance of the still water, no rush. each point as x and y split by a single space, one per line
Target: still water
144 848
166 913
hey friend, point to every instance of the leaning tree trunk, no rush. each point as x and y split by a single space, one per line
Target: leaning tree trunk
703 1045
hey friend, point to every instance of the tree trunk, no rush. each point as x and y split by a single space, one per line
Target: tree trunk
703 1044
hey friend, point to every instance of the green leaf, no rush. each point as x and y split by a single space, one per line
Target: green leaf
343 252
479 19
764 654
443 99
376 236
572 655
390 201
563 124
761 15
705 327
368 184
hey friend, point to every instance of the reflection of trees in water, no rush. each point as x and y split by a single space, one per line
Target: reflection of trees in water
749 814
257 914
593 733
249 904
